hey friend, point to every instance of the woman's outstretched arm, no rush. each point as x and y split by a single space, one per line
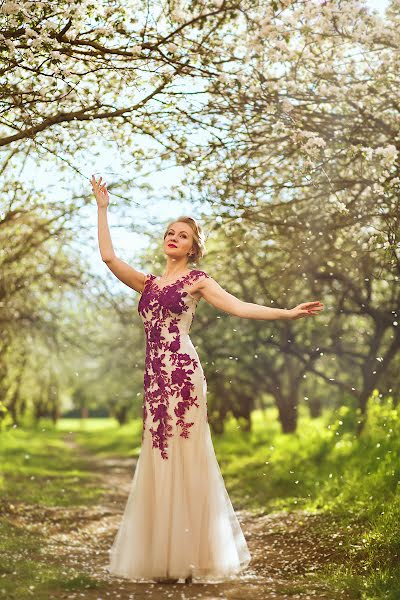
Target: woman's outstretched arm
213 293
125 273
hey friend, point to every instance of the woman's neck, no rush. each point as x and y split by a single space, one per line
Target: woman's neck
174 270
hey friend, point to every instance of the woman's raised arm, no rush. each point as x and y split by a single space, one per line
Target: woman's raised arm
125 273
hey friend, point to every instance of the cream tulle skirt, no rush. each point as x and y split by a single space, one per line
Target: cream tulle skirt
179 520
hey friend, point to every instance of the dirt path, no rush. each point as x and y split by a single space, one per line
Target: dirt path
284 548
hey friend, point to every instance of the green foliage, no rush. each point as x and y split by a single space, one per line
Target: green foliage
114 439
36 467
351 481
26 573
326 468
39 470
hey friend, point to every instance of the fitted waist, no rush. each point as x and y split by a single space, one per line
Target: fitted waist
172 342
165 334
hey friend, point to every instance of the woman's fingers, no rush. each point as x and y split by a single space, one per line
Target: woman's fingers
312 305
98 185
95 184
308 309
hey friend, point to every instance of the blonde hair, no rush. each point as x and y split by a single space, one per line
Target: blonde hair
198 247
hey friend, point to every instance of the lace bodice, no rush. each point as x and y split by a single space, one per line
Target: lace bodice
172 365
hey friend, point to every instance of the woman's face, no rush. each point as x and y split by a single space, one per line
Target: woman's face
178 240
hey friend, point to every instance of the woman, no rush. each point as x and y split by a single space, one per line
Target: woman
178 522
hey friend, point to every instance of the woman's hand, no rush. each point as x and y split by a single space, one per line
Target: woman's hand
306 309
100 192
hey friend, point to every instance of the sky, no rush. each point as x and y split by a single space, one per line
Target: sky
379 5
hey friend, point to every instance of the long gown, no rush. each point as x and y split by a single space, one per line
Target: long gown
178 520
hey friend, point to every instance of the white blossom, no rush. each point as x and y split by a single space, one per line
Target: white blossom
10 8
377 189
178 15
136 50
389 154
368 153
287 106
30 32
171 47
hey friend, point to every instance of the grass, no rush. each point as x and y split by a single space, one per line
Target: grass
38 470
38 467
324 467
105 437
27 572
351 481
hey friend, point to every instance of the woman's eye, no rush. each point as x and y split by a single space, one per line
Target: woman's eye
171 233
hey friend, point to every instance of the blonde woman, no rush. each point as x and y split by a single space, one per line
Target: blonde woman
179 523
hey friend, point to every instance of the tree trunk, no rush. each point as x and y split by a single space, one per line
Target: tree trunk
242 413
287 413
217 424
121 414
315 407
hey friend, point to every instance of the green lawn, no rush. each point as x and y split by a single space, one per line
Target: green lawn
38 470
323 467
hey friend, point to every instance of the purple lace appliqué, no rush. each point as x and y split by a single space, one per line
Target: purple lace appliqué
167 370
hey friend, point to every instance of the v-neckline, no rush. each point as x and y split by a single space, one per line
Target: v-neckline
173 283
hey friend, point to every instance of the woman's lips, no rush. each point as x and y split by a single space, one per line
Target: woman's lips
172 246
